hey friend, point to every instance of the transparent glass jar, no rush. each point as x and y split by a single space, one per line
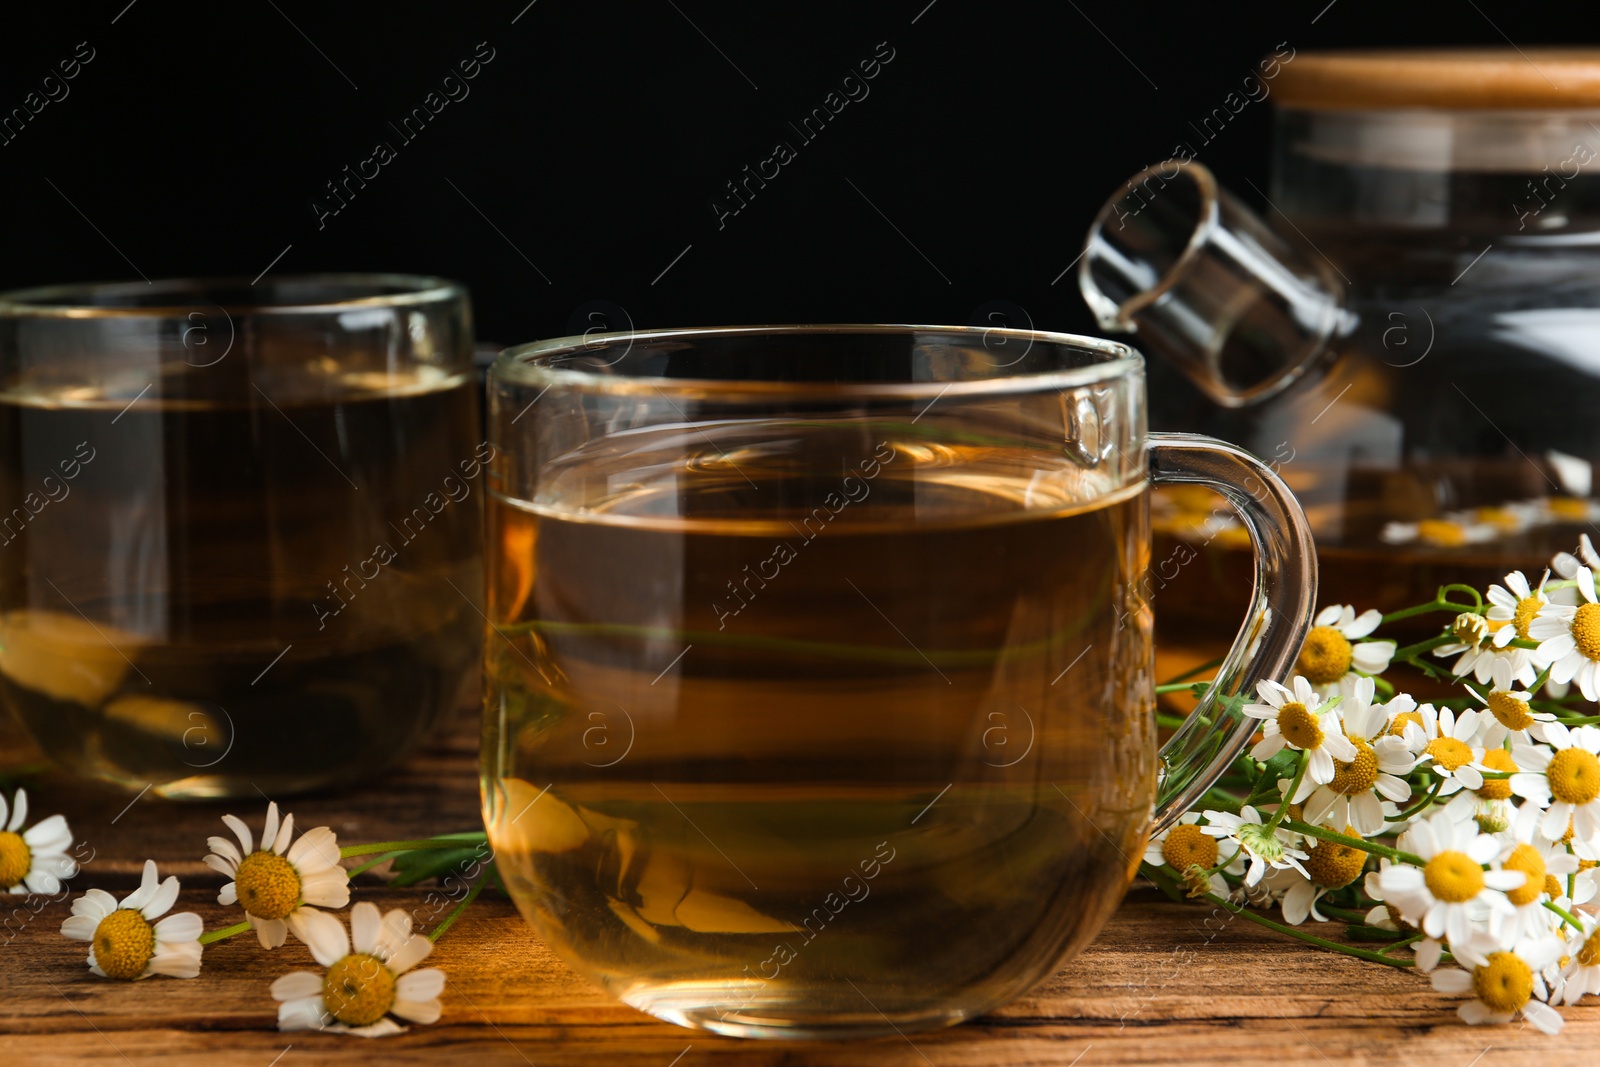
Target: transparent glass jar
1411 338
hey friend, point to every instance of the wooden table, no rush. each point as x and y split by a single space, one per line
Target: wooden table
1164 983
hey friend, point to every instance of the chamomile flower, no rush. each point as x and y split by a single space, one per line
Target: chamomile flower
363 991
1562 775
1328 866
1582 972
1569 638
1473 642
1507 982
1447 532
1585 885
1510 716
1451 889
1245 835
1543 863
1184 847
1296 719
1489 804
280 883
34 860
1385 916
1333 651
1566 564
1353 795
1512 609
124 939
1447 748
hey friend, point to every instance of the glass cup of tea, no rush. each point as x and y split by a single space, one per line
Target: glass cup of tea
240 526
819 695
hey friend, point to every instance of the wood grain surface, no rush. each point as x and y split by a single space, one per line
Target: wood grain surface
1164 983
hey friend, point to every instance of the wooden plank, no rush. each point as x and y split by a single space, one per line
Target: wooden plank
1164 983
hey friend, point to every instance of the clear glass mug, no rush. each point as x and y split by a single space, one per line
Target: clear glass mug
818 685
240 526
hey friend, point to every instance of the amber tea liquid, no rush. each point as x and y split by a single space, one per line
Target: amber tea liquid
820 704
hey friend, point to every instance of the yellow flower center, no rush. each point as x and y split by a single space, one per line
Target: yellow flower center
1586 630
1569 507
1574 776
1552 886
1452 877
1189 846
1469 628
1333 865
15 859
1497 759
1398 727
1504 984
123 944
1442 532
1527 608
1449 753
1298 726
1589 954
1326 656
359 990
1509 711
1357 776
1526 858
268 886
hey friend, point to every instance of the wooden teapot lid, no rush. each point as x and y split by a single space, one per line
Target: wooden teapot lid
1447 78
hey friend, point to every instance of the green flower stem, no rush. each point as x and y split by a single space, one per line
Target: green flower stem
1566 917
450 841
1433 795
1288 798
1178 687
1385 851
367 866
1438 603
1411 652
1310 939
455 913
1300 935
1407 943
226 931
1344 914
1472 591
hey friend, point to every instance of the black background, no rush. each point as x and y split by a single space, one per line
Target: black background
586 158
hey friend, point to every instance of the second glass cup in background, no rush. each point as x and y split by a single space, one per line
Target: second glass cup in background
240 526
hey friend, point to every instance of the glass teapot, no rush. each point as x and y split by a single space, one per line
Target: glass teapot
1413 342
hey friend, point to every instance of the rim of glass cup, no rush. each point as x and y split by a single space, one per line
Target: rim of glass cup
532 364
68 300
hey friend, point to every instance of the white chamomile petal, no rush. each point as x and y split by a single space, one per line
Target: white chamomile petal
323 934
297 985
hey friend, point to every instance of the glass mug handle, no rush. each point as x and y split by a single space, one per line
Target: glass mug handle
1281 606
